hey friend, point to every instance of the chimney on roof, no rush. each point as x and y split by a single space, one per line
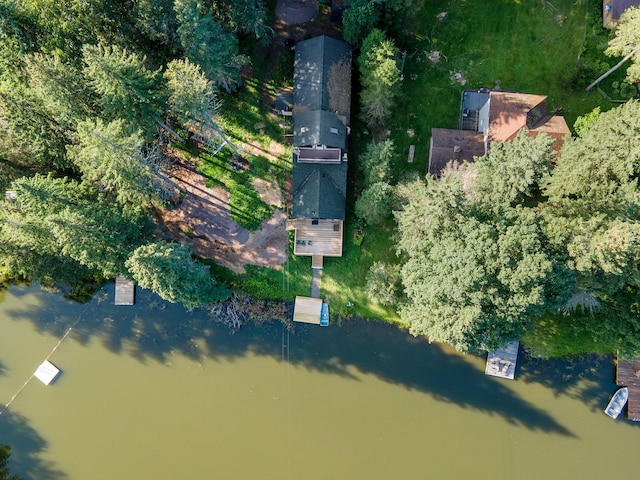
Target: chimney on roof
456 149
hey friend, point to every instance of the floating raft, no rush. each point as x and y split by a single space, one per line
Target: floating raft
125 292
47 372
502 361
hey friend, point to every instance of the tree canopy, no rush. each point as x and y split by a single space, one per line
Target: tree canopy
626 41
512 170
169 270
128 89
474 274
380 78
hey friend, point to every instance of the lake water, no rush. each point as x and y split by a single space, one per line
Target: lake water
155 392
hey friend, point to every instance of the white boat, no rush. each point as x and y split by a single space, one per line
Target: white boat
617 402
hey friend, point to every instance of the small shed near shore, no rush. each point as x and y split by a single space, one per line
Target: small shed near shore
502 361
125 292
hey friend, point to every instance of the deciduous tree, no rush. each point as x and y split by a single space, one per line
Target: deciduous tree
603 160
374 203
626 41
376 161
384 283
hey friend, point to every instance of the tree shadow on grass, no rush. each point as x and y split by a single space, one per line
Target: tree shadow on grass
26 446
154 330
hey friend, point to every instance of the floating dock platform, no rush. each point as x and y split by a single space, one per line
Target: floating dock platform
125 292
502 361
47 372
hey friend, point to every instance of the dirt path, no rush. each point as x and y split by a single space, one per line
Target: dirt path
203 219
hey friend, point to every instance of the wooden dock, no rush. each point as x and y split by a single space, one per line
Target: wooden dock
628 375
502 362
307 310
125 292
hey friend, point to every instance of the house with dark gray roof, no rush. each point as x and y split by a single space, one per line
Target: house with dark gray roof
321 114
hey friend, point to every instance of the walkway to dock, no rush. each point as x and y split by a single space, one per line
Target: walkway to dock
502 361
628 375
315 282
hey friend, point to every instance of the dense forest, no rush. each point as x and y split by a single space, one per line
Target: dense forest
90 95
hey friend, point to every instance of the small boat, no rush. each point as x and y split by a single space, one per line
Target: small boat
324 315
617 402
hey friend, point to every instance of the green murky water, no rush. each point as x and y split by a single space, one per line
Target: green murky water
155 392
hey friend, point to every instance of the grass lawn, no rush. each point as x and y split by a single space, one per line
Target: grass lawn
559 336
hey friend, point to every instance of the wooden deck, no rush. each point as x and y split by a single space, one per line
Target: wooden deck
324 238
628 375
502 362
125 292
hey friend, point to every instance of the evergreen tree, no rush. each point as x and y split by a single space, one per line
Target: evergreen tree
156 19
243 16
206 43
380 78
113 162
55 220
192 96
169 270
128 89
192 99
513 169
